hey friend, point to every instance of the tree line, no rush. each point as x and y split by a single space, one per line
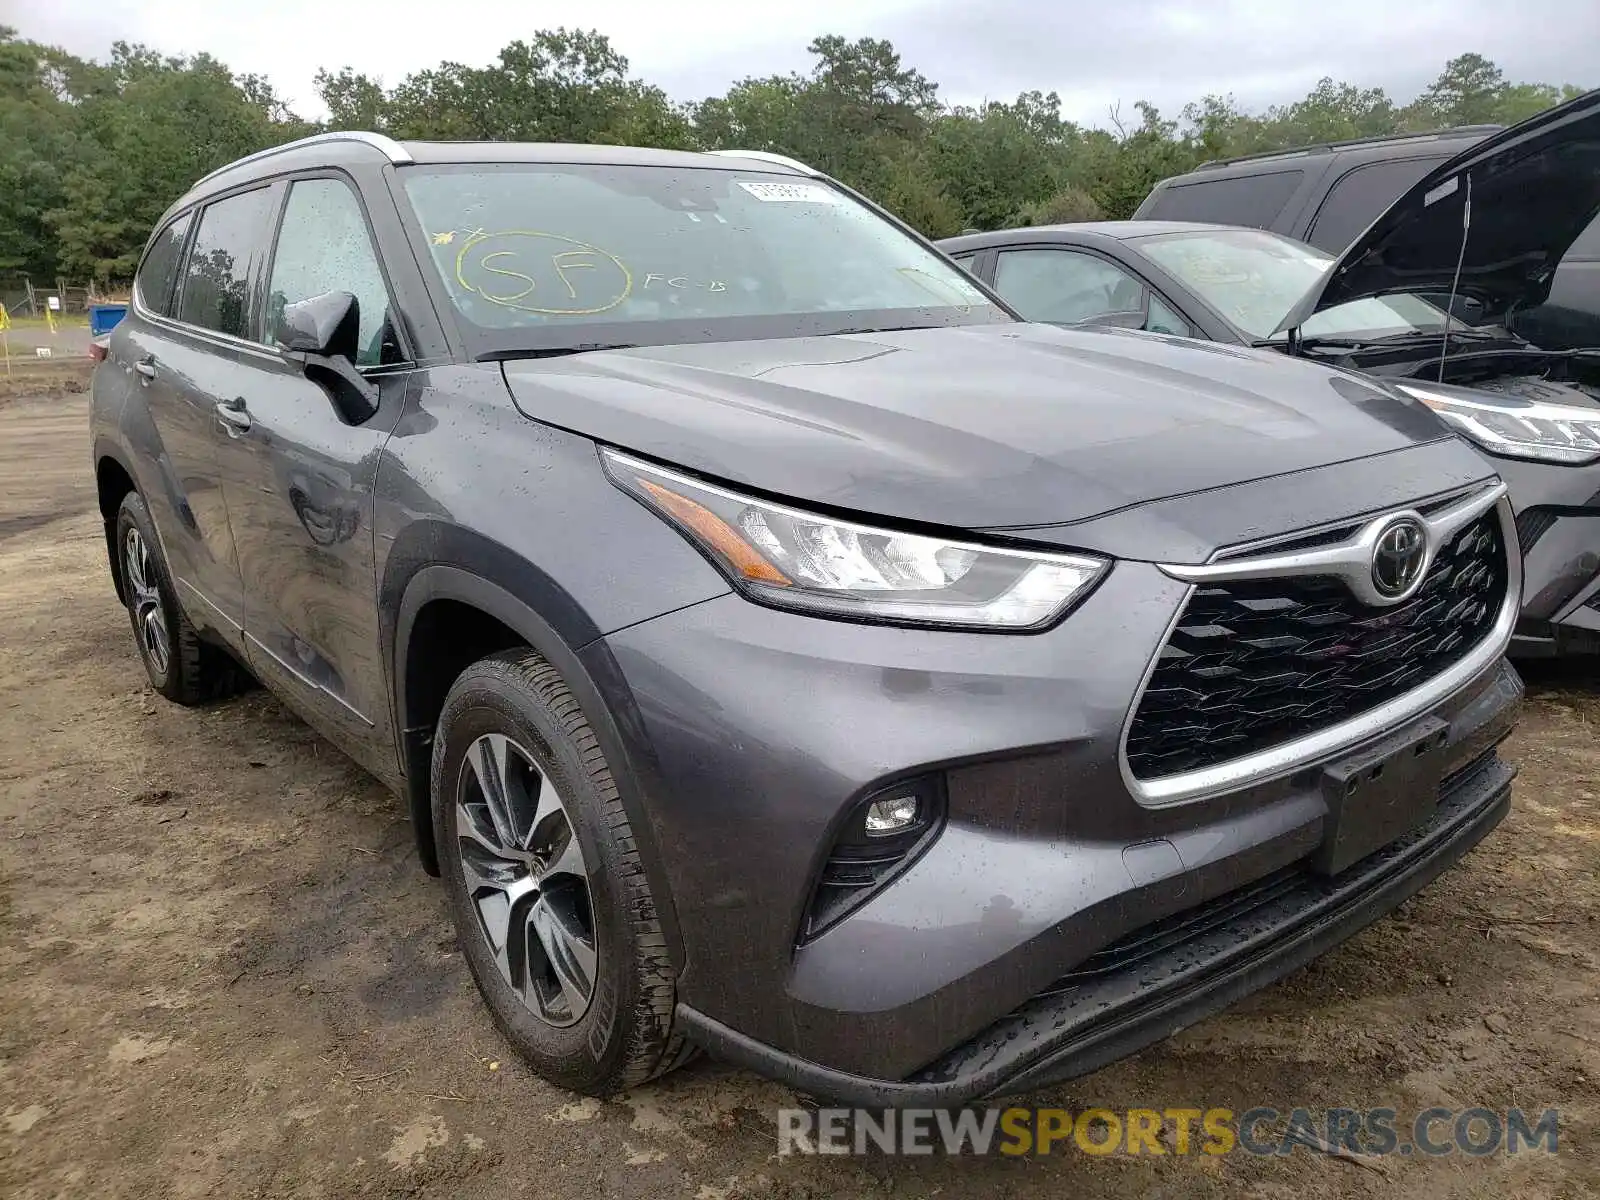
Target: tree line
92 152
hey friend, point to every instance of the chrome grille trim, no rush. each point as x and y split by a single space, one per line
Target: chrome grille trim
1288 757
1349 560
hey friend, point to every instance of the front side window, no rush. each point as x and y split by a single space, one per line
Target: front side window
569 255
324 246
216 280
1064 287
1253 279
159 271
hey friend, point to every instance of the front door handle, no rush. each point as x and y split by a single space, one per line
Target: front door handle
146 366
233 414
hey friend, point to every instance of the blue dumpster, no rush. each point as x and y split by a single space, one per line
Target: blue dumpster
103 318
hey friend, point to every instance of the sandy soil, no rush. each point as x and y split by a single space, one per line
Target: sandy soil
223 974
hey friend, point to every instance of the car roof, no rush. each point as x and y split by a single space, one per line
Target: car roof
1372 149
1085 231
357 147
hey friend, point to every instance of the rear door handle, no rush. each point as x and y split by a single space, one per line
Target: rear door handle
146 366
232 413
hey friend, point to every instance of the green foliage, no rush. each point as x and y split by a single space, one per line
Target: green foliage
36 138
91 153
1067 206
560 86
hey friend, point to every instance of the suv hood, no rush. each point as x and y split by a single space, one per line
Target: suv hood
1534 188
974 427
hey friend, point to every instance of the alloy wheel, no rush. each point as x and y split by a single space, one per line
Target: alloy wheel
149 616
525 875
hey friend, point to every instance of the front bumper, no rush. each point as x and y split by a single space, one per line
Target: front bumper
1561 583
1164 979
1558 527
759 730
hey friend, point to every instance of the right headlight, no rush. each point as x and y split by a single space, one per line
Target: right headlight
1555 433
787 558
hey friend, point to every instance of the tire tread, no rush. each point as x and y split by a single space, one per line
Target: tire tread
656 1044
199 673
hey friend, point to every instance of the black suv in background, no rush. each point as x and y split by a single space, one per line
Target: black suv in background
1323 195
784 648
1327 195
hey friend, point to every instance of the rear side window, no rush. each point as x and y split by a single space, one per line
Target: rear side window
1254 200
323 246
160 267
216 280
1360 197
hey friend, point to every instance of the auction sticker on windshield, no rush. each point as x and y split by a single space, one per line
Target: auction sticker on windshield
805 193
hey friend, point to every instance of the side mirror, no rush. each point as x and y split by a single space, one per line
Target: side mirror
324 335
328 326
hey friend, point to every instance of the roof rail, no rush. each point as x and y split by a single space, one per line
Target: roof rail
393 150
783 160
1377 140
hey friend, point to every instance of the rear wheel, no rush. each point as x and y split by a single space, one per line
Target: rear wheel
181 666
549 898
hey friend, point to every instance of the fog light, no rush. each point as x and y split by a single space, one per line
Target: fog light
891 815
881 836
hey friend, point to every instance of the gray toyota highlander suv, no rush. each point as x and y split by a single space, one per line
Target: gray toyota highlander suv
784 649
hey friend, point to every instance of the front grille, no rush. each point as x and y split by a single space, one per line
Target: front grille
1251 665
1169 933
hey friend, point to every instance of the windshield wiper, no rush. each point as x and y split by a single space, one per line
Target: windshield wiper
553 351
878 329
1462 335
1388 339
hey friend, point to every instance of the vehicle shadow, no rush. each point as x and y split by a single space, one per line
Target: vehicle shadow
1578 677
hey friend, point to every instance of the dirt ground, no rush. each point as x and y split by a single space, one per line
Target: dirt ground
223 974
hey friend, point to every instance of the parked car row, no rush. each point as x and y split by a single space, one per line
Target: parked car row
1328 195
1381 305
784 647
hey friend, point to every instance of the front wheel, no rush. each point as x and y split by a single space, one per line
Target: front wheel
549 898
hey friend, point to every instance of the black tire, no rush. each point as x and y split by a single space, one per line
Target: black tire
625 1035
194 671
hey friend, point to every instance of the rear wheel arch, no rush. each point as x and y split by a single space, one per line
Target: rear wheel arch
443 618
113 481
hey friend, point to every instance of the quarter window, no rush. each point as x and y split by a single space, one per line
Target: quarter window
216 281
1064 287
159 270
1163 320
323 247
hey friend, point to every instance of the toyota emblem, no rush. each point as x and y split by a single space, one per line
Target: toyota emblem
1399 557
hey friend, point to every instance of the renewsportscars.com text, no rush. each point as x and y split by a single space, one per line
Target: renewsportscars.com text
1181 1131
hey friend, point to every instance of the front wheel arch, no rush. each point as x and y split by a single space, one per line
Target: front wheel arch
601 692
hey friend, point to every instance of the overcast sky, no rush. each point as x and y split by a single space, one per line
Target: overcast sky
1093 54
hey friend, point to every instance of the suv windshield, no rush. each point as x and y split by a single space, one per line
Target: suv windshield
572 256
1254 278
